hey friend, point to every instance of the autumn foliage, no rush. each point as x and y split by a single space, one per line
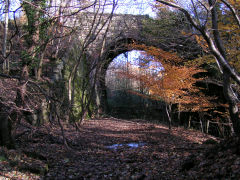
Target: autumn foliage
168 79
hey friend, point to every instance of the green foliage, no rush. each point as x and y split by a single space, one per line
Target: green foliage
31 21
122 98
2 158
82 89
43 29
36 34
25 57
44 22
168 24
208 63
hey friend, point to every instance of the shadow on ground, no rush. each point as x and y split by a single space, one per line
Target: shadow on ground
91 158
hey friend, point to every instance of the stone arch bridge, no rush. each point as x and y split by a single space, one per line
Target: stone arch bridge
110 40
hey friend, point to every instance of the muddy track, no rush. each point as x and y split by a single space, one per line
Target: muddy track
158 153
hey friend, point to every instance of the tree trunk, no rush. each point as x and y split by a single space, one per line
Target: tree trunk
217 48
189 122
101 96
5 129
22 87
201 121
207 126
179 112
5 126
232 101
70 89
220 129
231 127
21 94
168 111
70 100
40 64
6 62
43 114
201 125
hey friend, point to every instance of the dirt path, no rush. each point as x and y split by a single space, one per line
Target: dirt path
159 155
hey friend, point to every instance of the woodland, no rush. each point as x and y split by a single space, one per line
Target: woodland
68 111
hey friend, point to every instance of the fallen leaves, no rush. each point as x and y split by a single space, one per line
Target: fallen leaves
162 156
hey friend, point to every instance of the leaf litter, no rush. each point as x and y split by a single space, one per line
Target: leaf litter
161 154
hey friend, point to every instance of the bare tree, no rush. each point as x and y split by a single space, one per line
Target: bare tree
216 45
5 36
43 31
100 23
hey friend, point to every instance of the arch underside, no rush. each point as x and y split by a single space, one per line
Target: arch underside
120 46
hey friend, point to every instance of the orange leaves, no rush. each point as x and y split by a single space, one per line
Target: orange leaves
176 84
235 4
171 82
158 54
200 40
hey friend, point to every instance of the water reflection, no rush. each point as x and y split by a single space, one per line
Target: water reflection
128 145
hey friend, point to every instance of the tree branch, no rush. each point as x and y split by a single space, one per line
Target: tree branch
187 14
210 41
232 9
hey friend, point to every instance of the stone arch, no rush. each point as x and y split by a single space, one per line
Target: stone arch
110 53
108 56
124 30
121 46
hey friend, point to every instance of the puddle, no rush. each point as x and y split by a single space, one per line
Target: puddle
136 145
127 145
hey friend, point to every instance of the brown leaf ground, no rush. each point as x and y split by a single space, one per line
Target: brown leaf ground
164 154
